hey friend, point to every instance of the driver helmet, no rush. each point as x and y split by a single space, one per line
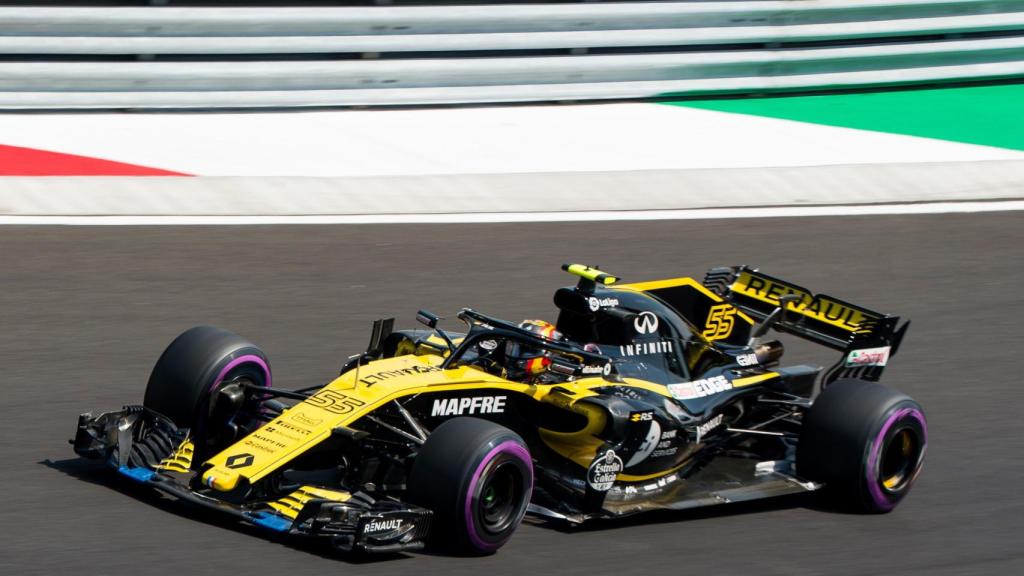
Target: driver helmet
529 363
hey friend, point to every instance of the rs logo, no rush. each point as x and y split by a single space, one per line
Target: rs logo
720 322
334 402
641 416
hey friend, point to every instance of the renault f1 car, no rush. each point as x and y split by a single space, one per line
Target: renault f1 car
654 395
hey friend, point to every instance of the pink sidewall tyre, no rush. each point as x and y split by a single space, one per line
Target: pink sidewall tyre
477 478
866 442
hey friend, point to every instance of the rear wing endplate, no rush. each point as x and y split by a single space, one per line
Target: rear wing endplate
867 338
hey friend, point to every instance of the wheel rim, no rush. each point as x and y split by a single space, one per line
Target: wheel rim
499 502
899 460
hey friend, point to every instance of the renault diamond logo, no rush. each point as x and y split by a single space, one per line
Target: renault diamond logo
239 461
646 323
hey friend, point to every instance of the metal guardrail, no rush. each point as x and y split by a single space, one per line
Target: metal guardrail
75 57
511 17
835 31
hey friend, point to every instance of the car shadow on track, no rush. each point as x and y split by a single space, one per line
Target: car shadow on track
99 474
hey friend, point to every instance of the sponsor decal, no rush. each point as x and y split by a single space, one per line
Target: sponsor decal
378 526
641 416
488 344
262 442
603 470
747 359
648 445
665 447
281 432
256 445
596 303
285 425
720 322
646 323
372 379
644 348
660 484
623 392
699 388
604 369
868 357
239 461
708 426
818 306
683 391
474 405
303 419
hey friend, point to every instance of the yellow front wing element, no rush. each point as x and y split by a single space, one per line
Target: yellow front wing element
180 460
293 503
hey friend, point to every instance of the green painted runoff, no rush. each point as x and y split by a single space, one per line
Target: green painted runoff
988 115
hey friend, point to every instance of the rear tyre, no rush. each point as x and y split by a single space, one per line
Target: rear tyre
866 442
477 478
188 383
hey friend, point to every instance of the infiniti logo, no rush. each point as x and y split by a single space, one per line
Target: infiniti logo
646 323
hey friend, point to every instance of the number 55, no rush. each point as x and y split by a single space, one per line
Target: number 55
720 322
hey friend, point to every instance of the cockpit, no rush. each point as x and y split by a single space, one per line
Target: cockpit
527 352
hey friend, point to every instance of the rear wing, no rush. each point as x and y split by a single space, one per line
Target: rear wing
867 338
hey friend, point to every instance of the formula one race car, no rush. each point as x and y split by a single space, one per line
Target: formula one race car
656 395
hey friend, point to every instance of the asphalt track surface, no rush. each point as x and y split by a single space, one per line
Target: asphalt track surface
86 311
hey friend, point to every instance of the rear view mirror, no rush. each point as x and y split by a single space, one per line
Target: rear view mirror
427 319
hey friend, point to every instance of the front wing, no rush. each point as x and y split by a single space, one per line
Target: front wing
147 448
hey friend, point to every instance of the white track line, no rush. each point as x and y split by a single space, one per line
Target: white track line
498 217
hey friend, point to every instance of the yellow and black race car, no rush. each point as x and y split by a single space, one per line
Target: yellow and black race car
654 395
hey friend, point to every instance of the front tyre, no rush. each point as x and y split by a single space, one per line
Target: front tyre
195 385
865 441
477 477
